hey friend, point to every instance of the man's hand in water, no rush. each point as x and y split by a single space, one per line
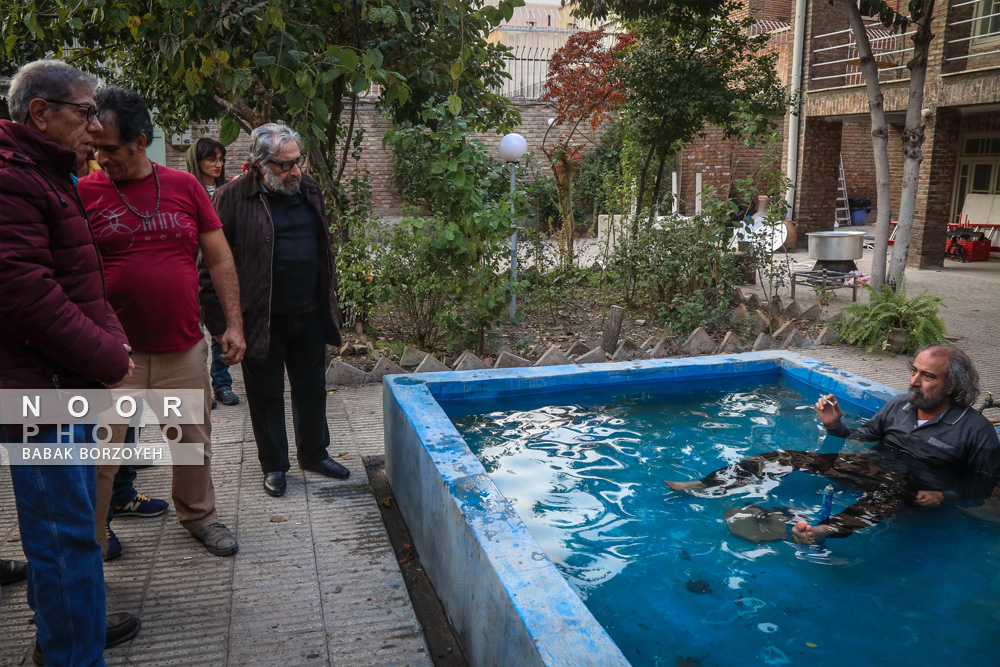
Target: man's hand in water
929 498
829 410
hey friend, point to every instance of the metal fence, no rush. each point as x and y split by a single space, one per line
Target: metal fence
533 34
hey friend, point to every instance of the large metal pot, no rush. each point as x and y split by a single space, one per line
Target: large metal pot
837 245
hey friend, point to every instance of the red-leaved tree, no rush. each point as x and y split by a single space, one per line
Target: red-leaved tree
580 84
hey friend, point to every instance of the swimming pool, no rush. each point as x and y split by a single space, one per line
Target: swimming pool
508 602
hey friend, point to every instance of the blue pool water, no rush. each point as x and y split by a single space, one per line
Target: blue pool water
670 583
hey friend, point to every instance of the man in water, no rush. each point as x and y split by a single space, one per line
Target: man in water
932 447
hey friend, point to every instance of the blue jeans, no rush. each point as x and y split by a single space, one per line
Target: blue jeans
221 379
55 513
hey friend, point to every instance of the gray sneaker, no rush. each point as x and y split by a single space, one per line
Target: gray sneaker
218 540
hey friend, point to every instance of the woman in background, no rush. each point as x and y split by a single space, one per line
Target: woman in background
206 159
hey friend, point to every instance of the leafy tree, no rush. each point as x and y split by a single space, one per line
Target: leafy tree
248 62
681 78
919 14
581 85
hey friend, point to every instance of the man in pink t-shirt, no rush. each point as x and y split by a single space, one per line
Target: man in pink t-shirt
150 223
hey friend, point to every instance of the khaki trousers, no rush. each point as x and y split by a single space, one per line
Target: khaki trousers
193 492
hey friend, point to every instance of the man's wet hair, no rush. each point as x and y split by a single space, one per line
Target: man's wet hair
131 114
45 79
962 383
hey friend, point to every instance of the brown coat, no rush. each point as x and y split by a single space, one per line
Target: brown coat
249 229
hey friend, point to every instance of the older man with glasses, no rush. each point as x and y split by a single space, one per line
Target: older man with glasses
57 330
274 219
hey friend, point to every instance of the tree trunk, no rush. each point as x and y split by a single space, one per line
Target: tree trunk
612 329
913 137
880 144
659 182
642 190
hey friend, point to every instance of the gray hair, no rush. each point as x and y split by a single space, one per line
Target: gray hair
266 141
962 383
46 79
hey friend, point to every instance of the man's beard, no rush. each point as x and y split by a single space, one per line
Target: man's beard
274 184
922 401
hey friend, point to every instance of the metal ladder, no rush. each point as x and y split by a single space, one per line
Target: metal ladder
842 215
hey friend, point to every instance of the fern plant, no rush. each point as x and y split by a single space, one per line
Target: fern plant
868 324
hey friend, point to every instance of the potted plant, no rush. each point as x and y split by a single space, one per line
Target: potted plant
890 321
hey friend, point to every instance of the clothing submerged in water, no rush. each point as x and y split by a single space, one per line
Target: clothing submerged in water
957 453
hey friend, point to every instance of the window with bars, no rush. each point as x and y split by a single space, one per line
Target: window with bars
987 27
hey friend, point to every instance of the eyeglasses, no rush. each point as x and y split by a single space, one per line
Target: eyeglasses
288 164
92 112
217 160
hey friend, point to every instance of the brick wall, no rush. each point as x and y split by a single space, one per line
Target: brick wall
935 183
816 196
767 10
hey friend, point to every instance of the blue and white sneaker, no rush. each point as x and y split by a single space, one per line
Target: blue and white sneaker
142 505
114 544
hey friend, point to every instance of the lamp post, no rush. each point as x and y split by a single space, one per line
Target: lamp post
512 149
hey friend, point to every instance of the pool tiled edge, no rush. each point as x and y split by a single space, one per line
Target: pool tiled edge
505 598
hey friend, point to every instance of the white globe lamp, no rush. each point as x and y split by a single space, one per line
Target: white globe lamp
513 147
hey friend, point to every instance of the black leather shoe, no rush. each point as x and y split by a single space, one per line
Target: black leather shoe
274 484
12 571
330 468
118 629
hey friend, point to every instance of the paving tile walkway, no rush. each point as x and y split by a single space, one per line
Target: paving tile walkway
316 581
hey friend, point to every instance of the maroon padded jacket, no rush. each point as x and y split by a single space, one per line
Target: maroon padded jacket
56 326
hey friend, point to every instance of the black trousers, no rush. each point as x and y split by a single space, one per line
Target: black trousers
297 345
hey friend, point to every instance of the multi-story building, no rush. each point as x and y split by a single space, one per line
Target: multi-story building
961 152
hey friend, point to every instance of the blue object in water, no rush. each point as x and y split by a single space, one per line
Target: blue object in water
827 510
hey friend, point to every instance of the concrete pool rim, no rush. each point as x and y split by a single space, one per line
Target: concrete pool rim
507 601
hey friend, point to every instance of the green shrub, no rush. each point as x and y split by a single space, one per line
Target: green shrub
685 268
868 324
359 234
441 270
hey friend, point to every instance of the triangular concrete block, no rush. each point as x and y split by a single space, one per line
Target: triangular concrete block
628 351
828 336
758 322
667 347
648 343
470 362
430 365
795 338
731 344
813 312
339 373
836 317
752 302
763 342
776 304
385 366
553 357
411 357
595 356
578 348
740 313
782 332
792 310
699 342
509 360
